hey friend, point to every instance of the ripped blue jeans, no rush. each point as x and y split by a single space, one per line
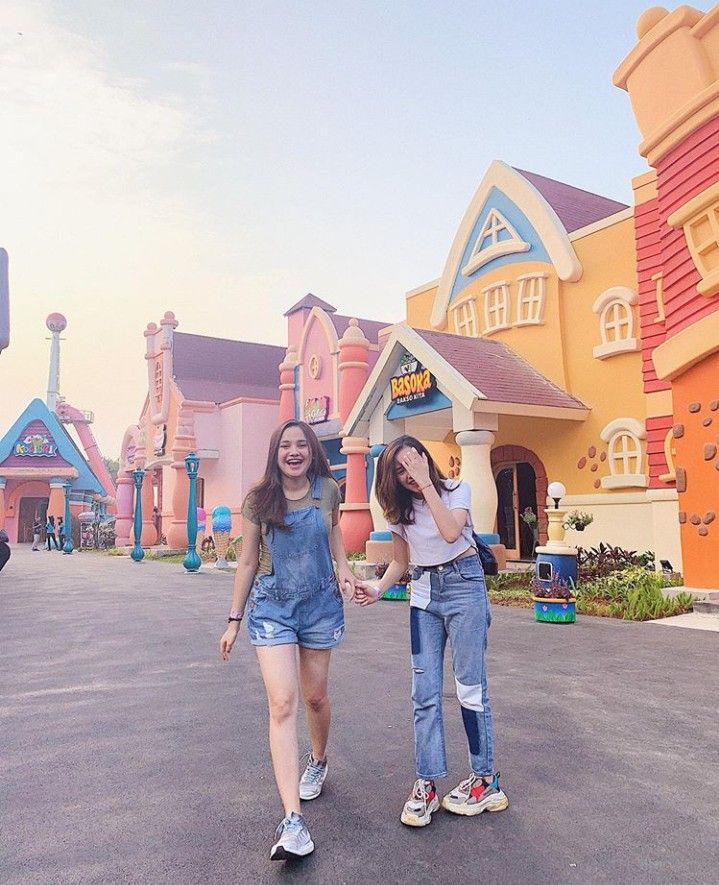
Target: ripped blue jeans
458 610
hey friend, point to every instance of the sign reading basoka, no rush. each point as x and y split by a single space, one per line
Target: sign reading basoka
412 382
317 409
36 445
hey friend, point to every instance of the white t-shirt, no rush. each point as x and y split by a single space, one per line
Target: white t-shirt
426 545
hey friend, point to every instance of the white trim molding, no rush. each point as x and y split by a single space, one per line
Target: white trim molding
618 301
540 215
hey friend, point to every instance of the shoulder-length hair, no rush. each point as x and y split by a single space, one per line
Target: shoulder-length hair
395 500
268 498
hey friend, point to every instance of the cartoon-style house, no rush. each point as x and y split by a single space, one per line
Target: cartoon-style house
223 398
529 345
213 396
38 457
672 77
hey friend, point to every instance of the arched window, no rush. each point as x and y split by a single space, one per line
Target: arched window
625 454
616 322
464 316
700 219
497 237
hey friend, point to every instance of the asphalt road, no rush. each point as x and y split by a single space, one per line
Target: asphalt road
133 754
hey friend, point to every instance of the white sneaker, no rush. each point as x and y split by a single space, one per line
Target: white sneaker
292 839
421 805
312 779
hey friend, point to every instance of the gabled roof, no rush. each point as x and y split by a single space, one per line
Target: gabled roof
478 373
498 372
37 417
575 207
219 369
308 302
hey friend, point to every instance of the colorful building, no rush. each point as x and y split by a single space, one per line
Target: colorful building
569 337
223 398
39 458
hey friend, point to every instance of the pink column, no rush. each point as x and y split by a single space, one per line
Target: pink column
148 537
356 519
287 385
2 503
123 521
183 443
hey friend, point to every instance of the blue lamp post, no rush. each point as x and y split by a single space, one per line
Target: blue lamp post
192 561
137 552
68 546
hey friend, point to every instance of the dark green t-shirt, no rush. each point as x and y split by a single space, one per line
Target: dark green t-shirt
327 503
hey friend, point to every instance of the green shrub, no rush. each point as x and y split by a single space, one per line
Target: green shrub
634 594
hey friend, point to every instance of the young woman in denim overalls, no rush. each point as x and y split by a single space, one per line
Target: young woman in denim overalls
290 535
432 528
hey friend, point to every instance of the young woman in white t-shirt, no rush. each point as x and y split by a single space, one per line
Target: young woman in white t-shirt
431 526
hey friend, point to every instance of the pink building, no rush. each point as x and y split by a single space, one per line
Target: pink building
222 399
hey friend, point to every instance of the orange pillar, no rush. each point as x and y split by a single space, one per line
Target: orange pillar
287 385
356 519
56 504
148 537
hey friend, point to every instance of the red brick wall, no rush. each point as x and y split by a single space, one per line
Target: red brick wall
649 262
656 433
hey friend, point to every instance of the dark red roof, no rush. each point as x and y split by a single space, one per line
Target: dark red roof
218 369
498 372
308 302
574 206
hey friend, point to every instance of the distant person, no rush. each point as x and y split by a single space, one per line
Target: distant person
4 548
61 531
36 532
50 531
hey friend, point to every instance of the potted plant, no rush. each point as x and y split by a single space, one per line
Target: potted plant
555 601
578 520
400 590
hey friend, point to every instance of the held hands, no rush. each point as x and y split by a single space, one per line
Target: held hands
366 592
416 466
347 583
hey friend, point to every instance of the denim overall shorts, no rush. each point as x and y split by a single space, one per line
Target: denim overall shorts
300 602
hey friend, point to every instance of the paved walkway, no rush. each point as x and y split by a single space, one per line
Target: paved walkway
132 754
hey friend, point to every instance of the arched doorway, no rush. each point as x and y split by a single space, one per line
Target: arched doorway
521 484
30 509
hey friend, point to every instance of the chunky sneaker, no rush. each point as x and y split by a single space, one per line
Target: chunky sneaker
312 778
418 809
292 839
474 796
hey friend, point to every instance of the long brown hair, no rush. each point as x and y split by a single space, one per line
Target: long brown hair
268 498
395 500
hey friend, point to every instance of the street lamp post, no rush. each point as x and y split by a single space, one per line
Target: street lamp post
192 561
68 546
137 552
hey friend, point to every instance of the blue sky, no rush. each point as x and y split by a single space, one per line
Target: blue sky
221 159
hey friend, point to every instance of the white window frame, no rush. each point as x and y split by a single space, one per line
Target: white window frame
531 295
623 437
496 306
464 315
493 225
608 305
